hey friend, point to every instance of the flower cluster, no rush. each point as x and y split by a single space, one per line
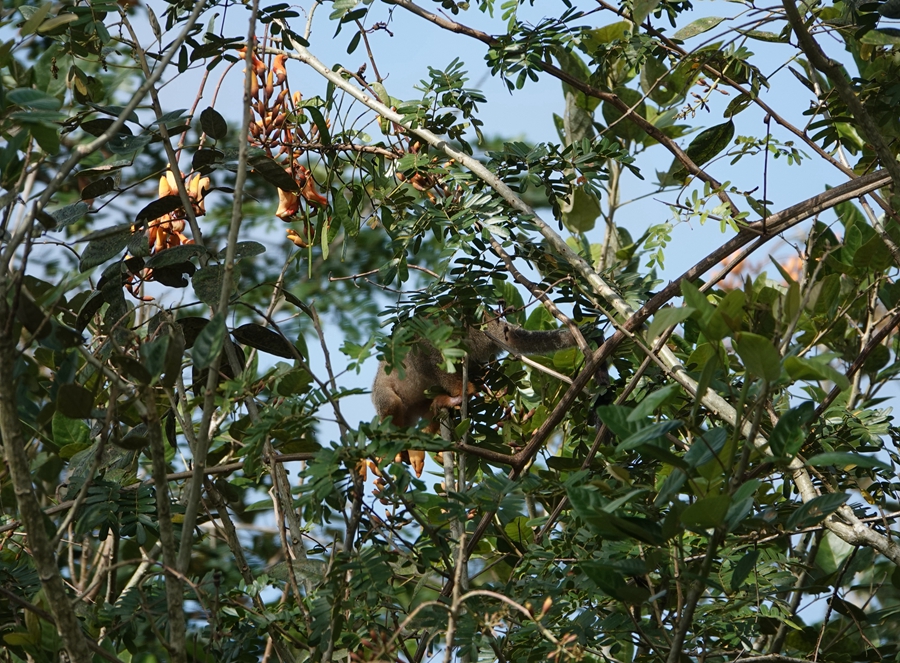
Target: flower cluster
275 129
167 231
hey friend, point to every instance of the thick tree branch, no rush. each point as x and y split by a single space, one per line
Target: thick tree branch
177 645
853 531
609 97
201 447
67 624
836 75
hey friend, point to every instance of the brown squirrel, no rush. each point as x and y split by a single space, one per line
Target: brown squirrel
408 399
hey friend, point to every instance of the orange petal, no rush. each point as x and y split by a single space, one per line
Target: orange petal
167 185
270 85
288 205
197 190
417 460
311 194
279 68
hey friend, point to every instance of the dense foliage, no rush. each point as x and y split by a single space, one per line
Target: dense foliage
183 478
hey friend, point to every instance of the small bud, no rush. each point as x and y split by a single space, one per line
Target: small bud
548 603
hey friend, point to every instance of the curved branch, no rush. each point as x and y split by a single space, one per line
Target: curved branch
842 86
844 524
609 97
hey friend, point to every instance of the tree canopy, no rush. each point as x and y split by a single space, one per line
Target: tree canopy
190 286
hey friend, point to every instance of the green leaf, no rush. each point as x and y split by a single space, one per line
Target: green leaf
706 513
34 18
126 145
74 401
261 338
173 256
824 294
703 149
153 355
66 216
788 435
588 505
670 486
132 368
574 65
873 256
564 463
668 317
759 356
707 447
882 37
20 639
580 210
833 551
213 124
816 510
209 342
727 317
103 248
321 124
611 579
208 281
246 249
696 300
68 431
643 9
762 35
273 172
98 188
648 435
651 401
747 489
845 459
206 157
607 34
519 532
737 512
191 326
697 27
47 137
624 128
800 368
743 568
616 417
157 208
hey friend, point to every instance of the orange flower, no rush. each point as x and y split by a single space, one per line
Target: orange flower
197 188
259 67
288 205
308 188
279 68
